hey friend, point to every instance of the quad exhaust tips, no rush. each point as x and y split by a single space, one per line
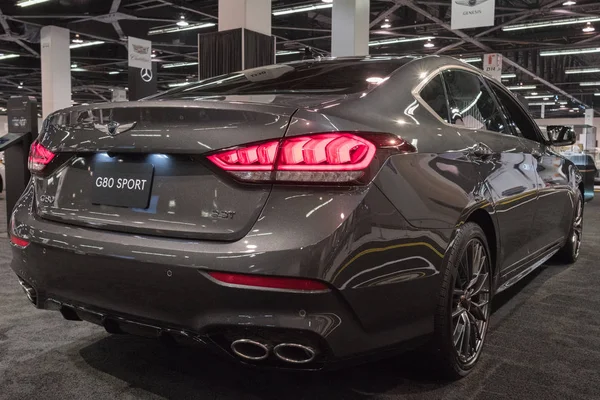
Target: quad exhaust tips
29 291
250 349
292 353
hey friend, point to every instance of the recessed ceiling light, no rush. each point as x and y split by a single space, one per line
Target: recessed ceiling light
86 44
591 70
429 44
521 87
398 40
588 28
589 84
569 51
569 3
180 28
556 22
179 64
6 56
386 24
508 76
182 21
299 9
28 3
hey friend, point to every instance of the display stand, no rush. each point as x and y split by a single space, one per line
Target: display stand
22 128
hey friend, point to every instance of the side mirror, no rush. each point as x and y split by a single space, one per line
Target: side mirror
559 135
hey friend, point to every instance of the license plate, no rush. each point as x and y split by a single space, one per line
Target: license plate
122 184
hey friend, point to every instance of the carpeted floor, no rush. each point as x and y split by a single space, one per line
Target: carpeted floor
544 343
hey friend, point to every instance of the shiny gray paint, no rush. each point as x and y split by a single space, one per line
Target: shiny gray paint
380 246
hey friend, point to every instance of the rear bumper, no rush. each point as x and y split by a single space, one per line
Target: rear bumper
161 284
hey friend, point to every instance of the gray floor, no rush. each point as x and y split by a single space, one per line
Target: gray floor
544 343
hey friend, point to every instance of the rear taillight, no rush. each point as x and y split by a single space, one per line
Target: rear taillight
269 282
19 242
325 157
39 157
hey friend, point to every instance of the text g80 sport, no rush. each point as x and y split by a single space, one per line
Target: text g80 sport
299 215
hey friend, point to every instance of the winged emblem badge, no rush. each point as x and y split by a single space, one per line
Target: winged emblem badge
114 128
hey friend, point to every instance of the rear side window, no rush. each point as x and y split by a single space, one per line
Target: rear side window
435 96
471 103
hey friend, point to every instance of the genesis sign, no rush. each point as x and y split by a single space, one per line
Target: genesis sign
472 13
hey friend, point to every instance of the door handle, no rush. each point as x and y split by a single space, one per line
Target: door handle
480 150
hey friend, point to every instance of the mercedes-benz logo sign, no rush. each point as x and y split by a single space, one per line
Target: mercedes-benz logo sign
146 74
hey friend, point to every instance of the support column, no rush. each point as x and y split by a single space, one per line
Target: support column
350 28
56 69
244 39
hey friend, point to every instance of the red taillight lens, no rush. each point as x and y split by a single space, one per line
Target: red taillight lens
39 157
17 241
269 282
325 157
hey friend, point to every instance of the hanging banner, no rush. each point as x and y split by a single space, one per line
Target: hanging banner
472 13
589 117
140 53
119 95
492 64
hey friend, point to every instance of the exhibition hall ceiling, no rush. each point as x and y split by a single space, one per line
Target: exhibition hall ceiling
549 41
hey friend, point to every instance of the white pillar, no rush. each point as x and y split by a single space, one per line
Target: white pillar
254 15
350 28
56 69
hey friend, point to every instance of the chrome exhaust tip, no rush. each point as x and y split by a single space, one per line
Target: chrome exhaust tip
294 353
29 291
250 349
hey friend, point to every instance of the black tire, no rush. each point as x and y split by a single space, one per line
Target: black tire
569 253
458 308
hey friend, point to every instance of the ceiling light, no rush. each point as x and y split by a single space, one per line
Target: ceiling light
299 9
327 1
113 72
398 40
5 56
596 94
534 93
562 103
556 22
588 28
86 44
591 70
286 52
535 96
471 60
544 103
78 69
27 3
571 110
73 65
569 3
180 28
589 84
569 51
521 87
507 76
386 24
429 44
182 21
171 85
179 64
77 39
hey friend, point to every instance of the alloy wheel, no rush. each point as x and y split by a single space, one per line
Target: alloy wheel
471 302
577 229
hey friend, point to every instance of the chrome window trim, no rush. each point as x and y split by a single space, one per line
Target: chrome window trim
416 92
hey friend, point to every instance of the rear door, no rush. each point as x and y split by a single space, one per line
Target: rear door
552 217
140 167
505 166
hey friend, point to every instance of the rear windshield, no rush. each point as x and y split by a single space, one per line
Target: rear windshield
309 77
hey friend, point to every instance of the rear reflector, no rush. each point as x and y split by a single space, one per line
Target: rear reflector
39 157
324 157
269 282
17 241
